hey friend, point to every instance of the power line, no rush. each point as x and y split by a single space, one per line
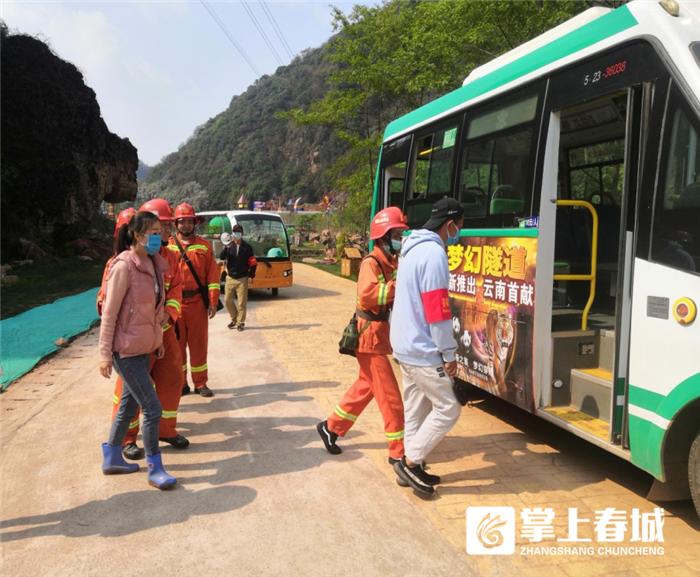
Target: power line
276 28
235 44
252 16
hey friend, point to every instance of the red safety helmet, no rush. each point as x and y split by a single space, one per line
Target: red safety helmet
124 217
160 207
386 220
186 210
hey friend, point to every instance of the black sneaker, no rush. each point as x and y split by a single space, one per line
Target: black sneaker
133 452
430 479
186 389
204 391
178 441
328 438
414 476
241 327
232 325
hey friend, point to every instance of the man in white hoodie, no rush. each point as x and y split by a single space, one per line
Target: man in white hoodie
423 342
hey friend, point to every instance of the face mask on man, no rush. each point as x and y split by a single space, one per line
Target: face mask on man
396 245
237 235
451 240
152 244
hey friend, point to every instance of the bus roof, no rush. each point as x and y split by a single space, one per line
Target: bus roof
585 34
236 213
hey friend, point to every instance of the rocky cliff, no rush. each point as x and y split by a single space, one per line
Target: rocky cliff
59 160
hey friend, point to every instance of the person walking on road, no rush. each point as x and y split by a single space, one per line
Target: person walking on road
423 343
131 330
200 295
375 297
240 267
166 371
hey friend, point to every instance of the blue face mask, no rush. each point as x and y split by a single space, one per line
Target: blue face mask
452 240
237 235
396 245
153 244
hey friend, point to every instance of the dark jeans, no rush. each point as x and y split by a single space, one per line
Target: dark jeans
137 391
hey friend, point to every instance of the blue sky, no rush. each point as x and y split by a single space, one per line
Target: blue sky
160 69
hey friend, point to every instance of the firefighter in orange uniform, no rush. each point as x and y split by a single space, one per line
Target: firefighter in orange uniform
201 277
375 296
166 370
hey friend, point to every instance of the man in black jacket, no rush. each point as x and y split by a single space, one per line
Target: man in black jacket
240 266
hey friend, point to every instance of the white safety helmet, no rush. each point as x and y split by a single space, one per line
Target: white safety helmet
226 238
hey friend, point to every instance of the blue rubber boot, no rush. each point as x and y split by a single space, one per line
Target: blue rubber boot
157 476
114 463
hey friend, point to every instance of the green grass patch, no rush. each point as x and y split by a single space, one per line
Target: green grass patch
42 283
334 269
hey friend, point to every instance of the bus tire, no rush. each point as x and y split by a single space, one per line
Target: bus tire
694 472
275 292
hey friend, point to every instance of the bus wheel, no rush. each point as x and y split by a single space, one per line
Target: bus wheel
694 471
275 292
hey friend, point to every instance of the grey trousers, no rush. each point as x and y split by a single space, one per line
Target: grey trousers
138 390
430 406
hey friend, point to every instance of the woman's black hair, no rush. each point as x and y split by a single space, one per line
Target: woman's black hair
139 223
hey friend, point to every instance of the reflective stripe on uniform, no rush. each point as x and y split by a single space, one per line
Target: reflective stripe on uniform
173 303
213 286
343 415
383 293
166 284
398 435
198 369
169 415
173 247
197 246
115 399
133 424
167 326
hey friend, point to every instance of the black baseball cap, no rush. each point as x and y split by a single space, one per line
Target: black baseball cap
443 210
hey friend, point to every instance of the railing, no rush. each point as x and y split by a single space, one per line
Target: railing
594 258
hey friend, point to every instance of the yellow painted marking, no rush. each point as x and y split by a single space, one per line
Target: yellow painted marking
596 427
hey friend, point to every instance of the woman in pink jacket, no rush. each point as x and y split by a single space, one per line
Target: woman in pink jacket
131 330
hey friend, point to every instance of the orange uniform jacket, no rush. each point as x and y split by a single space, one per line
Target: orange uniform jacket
201 254
376 284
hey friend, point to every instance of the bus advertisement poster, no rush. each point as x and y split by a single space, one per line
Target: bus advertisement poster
492 290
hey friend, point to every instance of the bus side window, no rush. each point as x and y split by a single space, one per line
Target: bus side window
393 171
432 162
497 160
676 227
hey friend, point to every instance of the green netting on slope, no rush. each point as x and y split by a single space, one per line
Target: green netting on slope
28 337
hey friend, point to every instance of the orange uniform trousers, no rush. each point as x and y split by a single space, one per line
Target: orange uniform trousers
166 373
194 334
375 381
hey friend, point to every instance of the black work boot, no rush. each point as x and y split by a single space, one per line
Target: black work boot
178 441
133 452
204 391
186 389
328 438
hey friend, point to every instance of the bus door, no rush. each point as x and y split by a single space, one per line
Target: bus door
664 376
595 137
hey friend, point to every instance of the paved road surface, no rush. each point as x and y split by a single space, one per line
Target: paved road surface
258 495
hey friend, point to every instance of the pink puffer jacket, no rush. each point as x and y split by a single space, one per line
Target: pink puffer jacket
131 319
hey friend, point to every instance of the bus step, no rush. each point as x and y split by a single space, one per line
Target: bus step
580 420
591 391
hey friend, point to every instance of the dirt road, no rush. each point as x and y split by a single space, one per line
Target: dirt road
258 495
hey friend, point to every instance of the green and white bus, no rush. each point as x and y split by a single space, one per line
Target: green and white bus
574 288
